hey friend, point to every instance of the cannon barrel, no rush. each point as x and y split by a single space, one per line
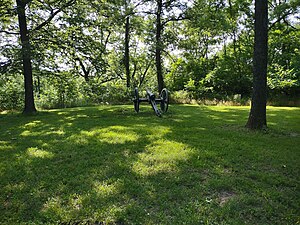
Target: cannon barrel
150 95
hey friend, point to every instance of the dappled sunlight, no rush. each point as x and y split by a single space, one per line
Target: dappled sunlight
5 145
17 187
38 153
56 132
27 133
178 120
32 124
80 139
284 109
39 129
111 135
62 113
75 201
54 206
5 112
104 189
161 156
227 108
157 132
69 207
82 116
110 164
214 117
230 120
68 118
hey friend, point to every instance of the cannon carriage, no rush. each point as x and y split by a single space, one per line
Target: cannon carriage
163 100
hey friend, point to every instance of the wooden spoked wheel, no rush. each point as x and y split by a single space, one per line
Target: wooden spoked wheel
164 96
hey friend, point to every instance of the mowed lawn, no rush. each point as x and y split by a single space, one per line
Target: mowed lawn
110 165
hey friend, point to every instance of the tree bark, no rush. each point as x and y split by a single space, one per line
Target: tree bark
158 49
257 117
86 72
127 56
29 107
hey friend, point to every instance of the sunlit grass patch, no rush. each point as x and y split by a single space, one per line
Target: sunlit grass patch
105 189
5 145
111 135
32 124
161 156
157 132
39 153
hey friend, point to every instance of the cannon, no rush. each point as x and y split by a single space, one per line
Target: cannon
150 98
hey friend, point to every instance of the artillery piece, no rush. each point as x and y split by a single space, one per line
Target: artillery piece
150 98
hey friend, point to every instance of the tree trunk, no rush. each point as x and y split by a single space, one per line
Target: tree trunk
86 72
158 49
257 117
26 57
127 56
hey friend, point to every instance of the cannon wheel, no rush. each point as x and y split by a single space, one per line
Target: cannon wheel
136 100
164 104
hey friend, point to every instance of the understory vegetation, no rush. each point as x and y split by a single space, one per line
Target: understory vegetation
195 165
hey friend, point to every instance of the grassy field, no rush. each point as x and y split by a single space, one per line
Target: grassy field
107 164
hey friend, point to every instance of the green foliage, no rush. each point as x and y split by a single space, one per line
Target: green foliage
177 76
108 93
283 80
11 93
78 56
60 91
284 75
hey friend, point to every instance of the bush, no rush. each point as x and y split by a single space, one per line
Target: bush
11 94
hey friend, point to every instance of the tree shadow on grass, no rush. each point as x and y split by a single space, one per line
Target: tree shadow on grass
110 164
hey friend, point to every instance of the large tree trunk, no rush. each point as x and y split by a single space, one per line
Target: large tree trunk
257 117
26 57
158 49
127 56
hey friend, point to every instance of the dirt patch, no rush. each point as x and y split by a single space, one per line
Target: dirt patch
225 196
294 134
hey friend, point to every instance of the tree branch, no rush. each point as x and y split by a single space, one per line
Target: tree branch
108 79
142 78
174 19
107 39
290 12
289 25
53 14
8 32
4 66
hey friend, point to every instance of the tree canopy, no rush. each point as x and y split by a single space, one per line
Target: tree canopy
84 52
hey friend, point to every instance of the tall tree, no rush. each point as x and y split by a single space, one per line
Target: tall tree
26 57
24 32
166 11
127 55
257 117
158 47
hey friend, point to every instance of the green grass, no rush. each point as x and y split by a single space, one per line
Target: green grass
196 165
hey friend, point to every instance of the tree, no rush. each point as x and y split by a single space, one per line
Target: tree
159 47
257 118
164 12
29 106
26 57
127 56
